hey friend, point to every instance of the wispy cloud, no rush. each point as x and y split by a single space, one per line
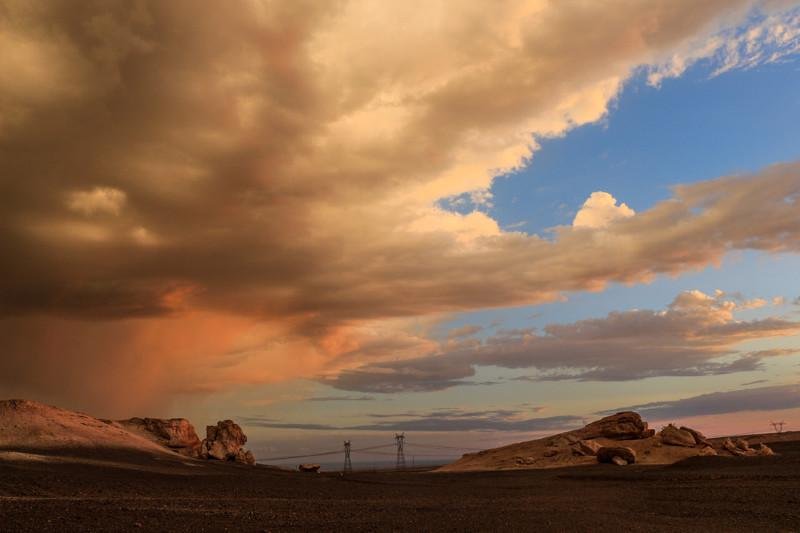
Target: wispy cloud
716 403
441 420
695 335
340 399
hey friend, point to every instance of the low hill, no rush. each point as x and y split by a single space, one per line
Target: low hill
624 432
33 427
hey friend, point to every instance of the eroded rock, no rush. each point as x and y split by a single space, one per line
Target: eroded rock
177 434
621 426
606 454
225 442
672 436
308 467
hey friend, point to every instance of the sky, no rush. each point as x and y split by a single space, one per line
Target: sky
337 221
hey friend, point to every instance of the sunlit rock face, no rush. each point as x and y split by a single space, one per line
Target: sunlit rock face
224 442
621 426
177 434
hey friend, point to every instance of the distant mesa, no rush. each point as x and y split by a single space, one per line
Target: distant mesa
620 439
28 426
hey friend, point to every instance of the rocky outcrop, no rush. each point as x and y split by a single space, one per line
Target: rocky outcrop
224 442
616 455
621 426
308 467
672 436
177 434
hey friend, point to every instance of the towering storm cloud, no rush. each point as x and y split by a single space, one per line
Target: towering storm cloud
196 196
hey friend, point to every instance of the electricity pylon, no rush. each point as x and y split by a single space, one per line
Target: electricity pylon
348 466
778 426
401 458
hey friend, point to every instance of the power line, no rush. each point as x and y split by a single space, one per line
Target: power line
441 446
322 454
399 443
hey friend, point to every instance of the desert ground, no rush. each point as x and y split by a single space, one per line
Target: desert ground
110 493
67 471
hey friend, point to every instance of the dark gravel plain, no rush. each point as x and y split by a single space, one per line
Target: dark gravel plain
700 494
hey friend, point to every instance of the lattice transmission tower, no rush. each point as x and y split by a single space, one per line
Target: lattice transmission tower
348 466
401 457
778 426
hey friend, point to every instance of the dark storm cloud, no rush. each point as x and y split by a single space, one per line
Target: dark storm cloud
262 181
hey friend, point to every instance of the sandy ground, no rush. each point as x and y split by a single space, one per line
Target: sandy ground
130 493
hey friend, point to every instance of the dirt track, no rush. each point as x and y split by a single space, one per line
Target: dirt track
702 494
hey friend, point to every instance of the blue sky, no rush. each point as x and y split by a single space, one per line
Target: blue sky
690 128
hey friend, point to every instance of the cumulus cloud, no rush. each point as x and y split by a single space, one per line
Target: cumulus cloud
281 163
695 335
97 200
717 403
599 210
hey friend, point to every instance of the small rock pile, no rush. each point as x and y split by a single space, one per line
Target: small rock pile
741 448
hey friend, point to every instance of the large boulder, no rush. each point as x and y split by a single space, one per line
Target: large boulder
177 434
608 454
308 467
225 442
672 436
621 426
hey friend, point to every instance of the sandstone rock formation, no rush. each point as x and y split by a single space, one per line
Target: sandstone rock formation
621 426
224 442
672 436
177 434
308 467
608 454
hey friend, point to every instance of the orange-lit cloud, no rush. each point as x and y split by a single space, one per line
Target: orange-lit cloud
212 196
